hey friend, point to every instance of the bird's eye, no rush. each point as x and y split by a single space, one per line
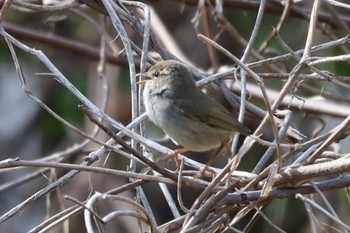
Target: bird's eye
156 74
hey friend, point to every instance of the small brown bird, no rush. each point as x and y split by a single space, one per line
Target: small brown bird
190 118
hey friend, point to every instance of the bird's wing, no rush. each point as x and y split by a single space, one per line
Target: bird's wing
212 114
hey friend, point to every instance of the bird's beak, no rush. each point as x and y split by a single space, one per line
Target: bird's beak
145 80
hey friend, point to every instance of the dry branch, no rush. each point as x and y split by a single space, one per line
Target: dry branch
276 162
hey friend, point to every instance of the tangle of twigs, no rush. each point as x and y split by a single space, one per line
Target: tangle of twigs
288 80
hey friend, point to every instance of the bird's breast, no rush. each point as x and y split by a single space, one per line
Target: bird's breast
157 106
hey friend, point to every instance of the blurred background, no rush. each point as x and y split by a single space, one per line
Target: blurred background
71 40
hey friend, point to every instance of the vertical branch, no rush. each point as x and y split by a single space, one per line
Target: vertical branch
4 6
126 42
244 58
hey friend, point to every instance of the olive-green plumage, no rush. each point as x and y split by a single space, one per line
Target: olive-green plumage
188 116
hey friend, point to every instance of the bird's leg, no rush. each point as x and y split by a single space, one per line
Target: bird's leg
212 159
174 156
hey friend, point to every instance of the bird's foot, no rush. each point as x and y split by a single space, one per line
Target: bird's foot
174 156
203 170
